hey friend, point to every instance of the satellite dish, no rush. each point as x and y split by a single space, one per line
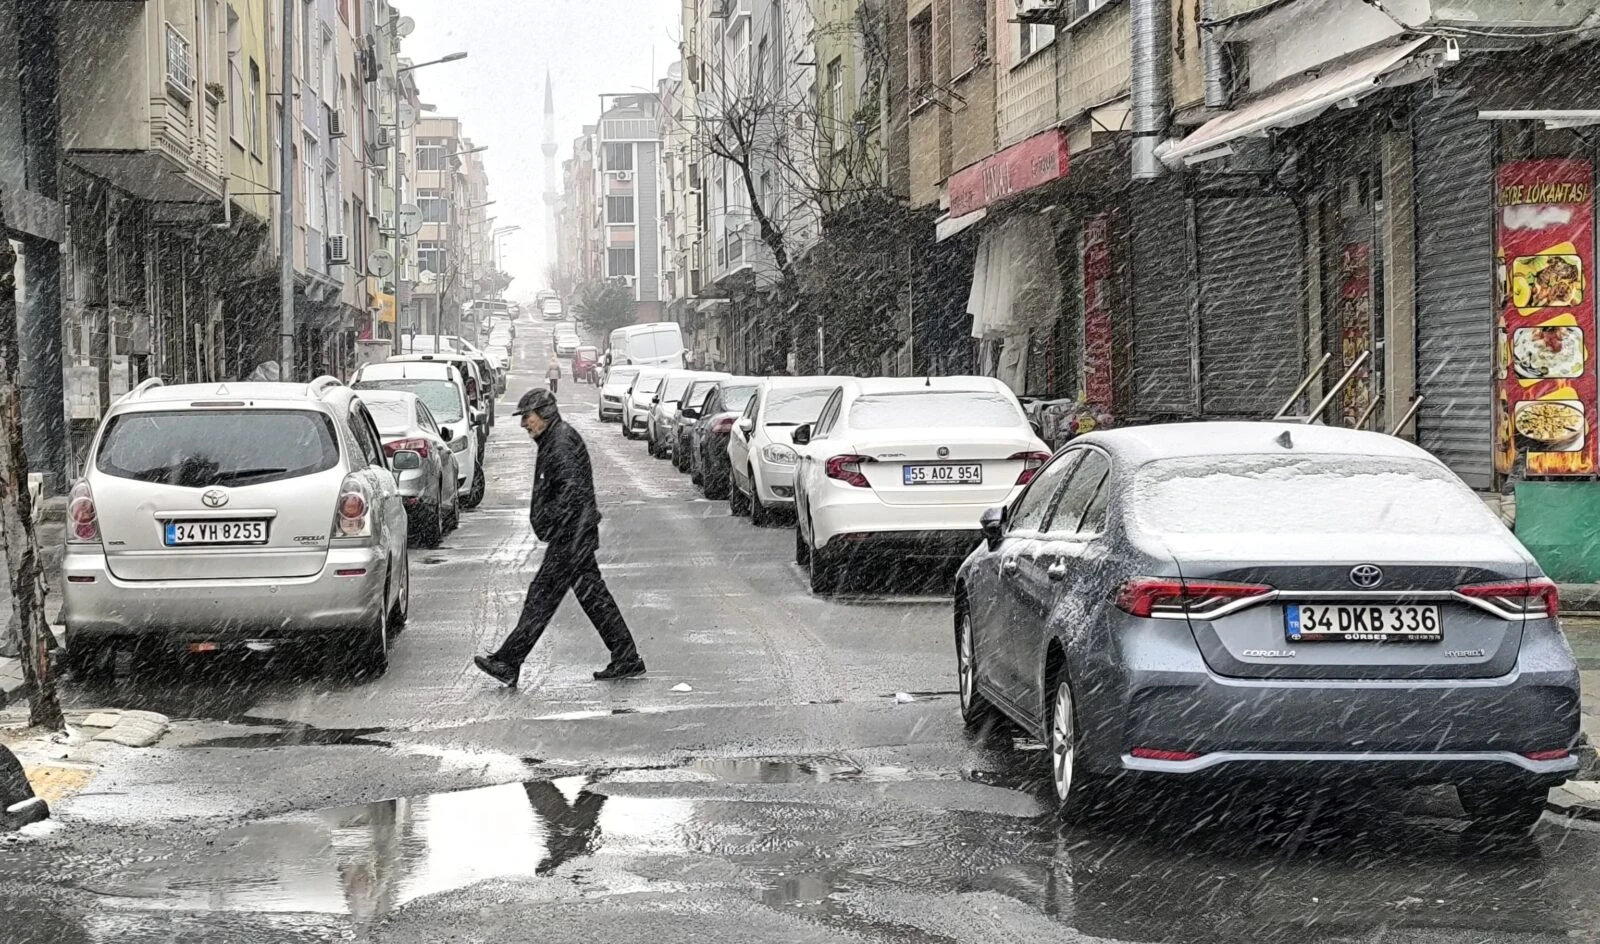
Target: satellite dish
405 27
427 277
380 262
410 219
408 115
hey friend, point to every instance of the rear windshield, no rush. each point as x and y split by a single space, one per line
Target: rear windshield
392 416
423 343
675 388
622 375
698 391
662 342
1254 494
800 405
736 398
201 448
936 408
442 397
646 385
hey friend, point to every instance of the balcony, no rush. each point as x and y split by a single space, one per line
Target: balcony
1432 14
133 106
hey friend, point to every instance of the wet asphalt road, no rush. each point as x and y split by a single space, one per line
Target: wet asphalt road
787 797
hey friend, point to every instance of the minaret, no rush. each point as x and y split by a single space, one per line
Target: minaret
552 189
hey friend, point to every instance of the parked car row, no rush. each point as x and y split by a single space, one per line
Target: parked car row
212 516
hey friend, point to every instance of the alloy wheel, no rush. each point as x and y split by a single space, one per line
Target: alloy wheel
1063 753
966 665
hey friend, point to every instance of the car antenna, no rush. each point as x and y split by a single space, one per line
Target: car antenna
929 382
1285 440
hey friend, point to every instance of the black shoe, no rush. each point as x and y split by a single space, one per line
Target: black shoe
501 672
620 670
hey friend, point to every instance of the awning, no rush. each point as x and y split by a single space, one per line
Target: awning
1297 104
947 226
1015 286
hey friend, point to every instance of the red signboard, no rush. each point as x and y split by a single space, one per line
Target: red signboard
1546 407
1096 261
1038 160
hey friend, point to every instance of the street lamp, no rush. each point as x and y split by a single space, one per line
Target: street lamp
502 231
399 247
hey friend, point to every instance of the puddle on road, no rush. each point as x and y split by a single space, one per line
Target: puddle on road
299 735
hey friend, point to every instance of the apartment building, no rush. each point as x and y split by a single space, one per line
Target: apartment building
628 197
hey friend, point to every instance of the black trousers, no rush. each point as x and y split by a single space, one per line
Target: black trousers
575 569
554 382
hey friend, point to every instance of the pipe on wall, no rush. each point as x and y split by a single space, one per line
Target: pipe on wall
1150 22
1214 55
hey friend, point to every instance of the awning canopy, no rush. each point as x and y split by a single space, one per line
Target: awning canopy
1298 103
1015 286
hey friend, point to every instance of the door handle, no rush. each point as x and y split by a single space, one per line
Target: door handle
1009 565
1057 571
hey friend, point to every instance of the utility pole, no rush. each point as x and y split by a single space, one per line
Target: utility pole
16 512
286 169
394 179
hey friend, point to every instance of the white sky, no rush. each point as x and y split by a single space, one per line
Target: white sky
590 46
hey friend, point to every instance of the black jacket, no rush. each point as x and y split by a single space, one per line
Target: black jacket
564 512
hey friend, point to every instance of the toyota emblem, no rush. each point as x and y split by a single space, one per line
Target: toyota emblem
214 498
1366 576
944 452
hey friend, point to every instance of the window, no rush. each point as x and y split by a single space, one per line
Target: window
763 64
619 156
835 103
308 18
180 65
313 198
1081 488
366 436
969 35
1082 8
255 108
619 262
431 154
1032 37
431 256
237 122
922 50
199 448
619 209
434 207
1028 514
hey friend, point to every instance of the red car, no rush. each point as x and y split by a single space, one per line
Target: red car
585 362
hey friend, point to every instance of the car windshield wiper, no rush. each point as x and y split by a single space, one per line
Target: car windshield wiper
236 474
781 423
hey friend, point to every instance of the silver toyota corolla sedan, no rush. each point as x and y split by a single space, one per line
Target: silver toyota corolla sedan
1227 600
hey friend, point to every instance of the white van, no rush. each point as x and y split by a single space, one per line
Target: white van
657 344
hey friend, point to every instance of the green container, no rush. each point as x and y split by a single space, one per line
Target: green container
1560 524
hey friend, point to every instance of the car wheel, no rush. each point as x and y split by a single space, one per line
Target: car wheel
975 709
480 484
368 654
402 603
1075 787
92 661
738 502
696 477
454 521
716 485
824 571
760 516
430 525
1509 811
600 413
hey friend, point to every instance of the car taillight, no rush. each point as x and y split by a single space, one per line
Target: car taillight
1032 462
847 469
1168 597
1522 597
419 446
83 519
351 518
724 425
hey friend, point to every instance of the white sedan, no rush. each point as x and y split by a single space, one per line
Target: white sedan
636 404
907 466
761 456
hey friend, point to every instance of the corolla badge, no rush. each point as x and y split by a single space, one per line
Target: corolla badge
1366 576
214 498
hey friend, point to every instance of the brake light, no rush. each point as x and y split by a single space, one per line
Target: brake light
1522 597
351 518
419 446
1032 462
724 425
83 519
1152 753
1149 597
1559 754
847 469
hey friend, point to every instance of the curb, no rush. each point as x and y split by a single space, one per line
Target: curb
11 682
1576 798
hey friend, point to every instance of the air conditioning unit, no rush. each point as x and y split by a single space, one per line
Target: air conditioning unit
386 222
385 139
629 280
338 250
336 124
624 175
1037 11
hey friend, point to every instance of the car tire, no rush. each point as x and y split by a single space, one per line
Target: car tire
454 520
600 413
480 484
975 709
802 549
738 503
1077 790
696 478
824 572
367 657
1500 810
92 661
430 525
400 614
760 514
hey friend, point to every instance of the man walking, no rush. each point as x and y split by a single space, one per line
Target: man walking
566 517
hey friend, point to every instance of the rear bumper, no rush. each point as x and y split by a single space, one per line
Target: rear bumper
951 546
226 608
834 514
1418 767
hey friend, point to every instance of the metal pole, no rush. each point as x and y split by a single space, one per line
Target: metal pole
399 249
286 201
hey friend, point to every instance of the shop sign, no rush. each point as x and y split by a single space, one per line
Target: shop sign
1022 166
1546 406
1095 257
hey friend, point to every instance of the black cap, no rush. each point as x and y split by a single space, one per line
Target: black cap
540 401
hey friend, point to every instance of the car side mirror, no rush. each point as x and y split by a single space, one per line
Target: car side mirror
993 524
446 433
1038 430
747 426
407 460
802 435
689 413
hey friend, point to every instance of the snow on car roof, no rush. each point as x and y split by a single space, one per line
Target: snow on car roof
1173 440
